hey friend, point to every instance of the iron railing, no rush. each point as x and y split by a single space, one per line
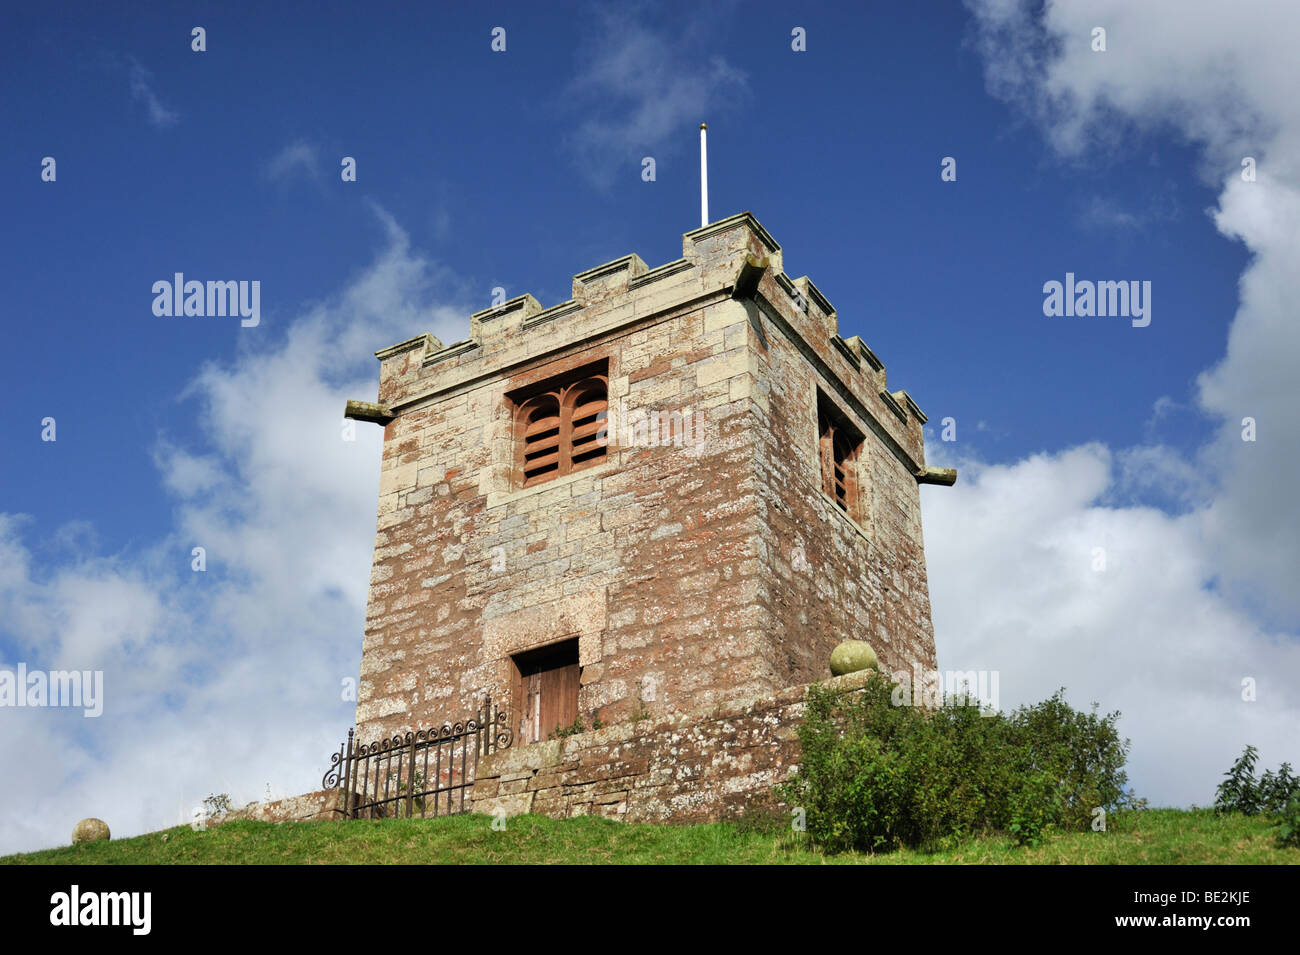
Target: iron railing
427 771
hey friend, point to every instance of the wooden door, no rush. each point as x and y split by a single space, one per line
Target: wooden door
546 692
559 703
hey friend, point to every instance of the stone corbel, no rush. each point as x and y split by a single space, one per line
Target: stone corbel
374 411
944 476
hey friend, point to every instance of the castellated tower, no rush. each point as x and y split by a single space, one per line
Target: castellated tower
679 488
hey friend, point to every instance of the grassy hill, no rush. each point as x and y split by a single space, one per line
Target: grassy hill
1155 836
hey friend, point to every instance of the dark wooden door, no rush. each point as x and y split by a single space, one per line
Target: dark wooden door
550 701
546 691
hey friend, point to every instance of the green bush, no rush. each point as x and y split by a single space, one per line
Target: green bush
1288 828
874 776
1273 793
1241 792
1033 808
1277 790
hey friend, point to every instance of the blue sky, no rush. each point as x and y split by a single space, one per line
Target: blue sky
518 169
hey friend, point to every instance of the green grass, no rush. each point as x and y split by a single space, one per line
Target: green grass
1156 836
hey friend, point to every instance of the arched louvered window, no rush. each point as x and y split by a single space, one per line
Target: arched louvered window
587 406
839 443
561 429
539 421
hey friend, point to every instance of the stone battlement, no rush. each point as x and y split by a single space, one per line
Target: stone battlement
726 259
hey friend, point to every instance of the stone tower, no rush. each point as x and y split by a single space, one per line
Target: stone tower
678 488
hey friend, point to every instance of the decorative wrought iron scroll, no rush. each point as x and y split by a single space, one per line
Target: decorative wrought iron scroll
426 771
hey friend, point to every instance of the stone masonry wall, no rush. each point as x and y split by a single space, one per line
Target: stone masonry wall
321 805
835 577
699 766
650 559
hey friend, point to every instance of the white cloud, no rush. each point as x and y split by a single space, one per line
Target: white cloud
229 679
1105 213
1217 77
641 85
142 91
1202 594
299 156
1256 523
1011 552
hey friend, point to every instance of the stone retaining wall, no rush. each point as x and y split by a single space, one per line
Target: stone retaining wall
320 805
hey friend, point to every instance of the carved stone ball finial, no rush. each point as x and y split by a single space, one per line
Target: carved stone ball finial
90 830
852 656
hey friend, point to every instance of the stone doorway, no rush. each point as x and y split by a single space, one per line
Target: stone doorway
545 691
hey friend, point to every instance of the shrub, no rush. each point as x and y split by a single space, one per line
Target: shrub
1080 753
875 776
1241 792
1032 809
1288 828
1276 790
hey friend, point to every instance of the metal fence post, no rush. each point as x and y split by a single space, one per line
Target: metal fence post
351 776
410 780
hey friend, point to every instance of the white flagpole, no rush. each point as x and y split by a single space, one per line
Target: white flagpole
704 175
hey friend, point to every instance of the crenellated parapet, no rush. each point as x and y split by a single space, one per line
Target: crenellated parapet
733 258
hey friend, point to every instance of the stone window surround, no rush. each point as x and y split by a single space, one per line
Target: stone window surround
500 483
563 392
859 503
